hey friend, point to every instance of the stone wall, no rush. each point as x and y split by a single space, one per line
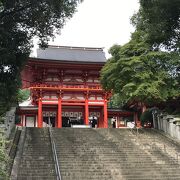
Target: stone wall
9 121
168 124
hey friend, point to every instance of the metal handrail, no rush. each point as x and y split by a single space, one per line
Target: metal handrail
53 145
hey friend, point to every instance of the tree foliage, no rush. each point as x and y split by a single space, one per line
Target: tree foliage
138 73
20 21
147 68
115 101
23 95
160 20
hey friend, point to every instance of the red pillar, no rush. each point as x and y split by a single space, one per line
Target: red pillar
40 113
59 114
101 119
86 120
105 114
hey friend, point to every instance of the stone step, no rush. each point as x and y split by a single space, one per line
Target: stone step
37 161
92 151
86 154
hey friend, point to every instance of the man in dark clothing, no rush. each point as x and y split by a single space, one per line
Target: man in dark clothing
114 123
93 122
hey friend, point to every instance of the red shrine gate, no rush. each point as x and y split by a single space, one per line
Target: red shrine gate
64 84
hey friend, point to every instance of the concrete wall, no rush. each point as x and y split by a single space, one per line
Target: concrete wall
168 124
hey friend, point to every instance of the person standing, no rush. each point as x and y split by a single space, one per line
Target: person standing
113 122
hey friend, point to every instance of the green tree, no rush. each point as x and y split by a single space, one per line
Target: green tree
23 95
138 73
20 21
147 68
159 19
115 101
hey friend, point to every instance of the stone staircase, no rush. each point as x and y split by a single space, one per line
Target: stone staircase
158 144
94 154
115 154
37 160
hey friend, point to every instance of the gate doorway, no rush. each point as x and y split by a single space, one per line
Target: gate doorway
49 121
69 121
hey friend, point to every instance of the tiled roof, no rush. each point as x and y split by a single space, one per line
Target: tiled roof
67 53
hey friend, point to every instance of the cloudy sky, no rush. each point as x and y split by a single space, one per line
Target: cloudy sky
99 23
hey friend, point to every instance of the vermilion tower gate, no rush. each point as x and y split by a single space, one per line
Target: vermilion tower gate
64 82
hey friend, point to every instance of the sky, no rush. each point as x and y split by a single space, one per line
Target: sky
98 23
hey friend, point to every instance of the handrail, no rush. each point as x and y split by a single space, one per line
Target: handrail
53 146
